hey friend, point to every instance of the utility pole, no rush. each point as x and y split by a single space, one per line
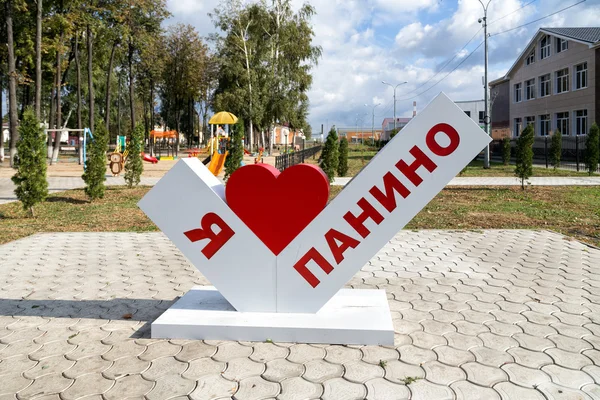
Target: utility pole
486 153
395 87
373 122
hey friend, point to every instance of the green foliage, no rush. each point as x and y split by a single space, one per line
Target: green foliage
394 133
342 168
592 151
506 150
329 156
556 148
133 165
235 148
30 179
95 165
524 167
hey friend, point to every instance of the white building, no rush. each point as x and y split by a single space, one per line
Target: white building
475 109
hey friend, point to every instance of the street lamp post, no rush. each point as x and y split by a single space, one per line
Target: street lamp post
395 87
486 154
373 121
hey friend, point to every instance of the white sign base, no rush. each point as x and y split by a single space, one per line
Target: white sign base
352 316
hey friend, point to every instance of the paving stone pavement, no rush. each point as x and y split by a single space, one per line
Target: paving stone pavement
477 315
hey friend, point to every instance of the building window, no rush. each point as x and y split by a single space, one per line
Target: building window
581 76
530 58
518 126
545 85
581 122
562 80
545 47
530 89
561 45
530 121
544 125
481 117
468 113
562 123
518 92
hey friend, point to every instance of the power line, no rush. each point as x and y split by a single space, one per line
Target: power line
512 12
455 68
539 19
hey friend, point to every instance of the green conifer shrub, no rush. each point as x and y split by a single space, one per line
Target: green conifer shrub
342 168
235 149
556 148
506 148
329 156
30 179
524 168
592 149
134 166
95 165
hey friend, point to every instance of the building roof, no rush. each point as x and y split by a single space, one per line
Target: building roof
469 101
588 35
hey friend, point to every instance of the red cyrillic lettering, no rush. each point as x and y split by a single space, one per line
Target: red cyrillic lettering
358 223
435 147
312 255
391 185
216 240
347 242
421 160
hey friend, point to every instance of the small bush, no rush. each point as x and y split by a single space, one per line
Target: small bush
235 149
592 151
133 165
343 158
556 149
329 156
30 179
95 165
524 168
506 150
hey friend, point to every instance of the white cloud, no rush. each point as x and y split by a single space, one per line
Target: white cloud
367 41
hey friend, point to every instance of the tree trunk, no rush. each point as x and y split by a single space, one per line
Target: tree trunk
38 61
58 134
89 39
119 108
79 105
12 83
108 76
1 107
52 118
131 87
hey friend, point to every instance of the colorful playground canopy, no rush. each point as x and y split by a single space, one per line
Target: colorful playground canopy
223 118
163 135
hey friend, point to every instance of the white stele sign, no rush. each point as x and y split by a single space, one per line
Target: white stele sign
189 206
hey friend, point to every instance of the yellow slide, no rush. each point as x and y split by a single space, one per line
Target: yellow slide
217 162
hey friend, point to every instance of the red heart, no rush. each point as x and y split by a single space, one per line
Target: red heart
277 206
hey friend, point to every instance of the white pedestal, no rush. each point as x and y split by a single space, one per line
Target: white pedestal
350 317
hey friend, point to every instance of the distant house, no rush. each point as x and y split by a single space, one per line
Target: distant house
554 84
283 135
387 126
358 135
475 109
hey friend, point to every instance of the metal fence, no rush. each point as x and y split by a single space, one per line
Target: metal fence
288 160
573 151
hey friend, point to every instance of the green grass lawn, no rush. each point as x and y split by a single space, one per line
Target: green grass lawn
573 211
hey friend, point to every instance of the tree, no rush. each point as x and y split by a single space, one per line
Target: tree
506 149
133 165
329 156
235 147
95 166
343 158
556 148
524 168
12 81
38 61
394 133
30 179
592 149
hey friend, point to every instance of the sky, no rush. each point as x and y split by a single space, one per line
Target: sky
365 42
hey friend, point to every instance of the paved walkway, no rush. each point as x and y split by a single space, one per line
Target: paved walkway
489 315
59 184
